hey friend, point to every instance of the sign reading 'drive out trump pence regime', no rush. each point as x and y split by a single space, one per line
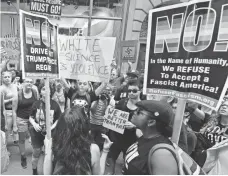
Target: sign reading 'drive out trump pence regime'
86 58
38 46
186 53
115 119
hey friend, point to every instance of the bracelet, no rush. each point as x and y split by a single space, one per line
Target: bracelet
105 150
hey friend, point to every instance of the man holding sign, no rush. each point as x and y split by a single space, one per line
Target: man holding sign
123 141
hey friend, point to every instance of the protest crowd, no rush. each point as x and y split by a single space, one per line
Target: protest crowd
82 114
80 144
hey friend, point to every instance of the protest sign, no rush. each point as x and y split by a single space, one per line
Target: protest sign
129 50
115 119
11 54
186 53
38 46
86 58
51 8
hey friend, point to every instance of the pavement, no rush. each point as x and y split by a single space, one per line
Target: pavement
15 161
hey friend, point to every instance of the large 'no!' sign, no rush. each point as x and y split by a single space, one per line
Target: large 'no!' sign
187 51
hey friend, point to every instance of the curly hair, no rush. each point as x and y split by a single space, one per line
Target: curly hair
72 141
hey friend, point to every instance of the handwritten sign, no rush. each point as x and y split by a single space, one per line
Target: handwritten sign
11 55
51 8
86 58
115 119
186 54
38 46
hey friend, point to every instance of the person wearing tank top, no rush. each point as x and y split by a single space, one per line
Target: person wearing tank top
26 98
10 99
153 119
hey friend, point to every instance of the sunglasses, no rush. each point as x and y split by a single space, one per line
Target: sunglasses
82 83
132 90
139 111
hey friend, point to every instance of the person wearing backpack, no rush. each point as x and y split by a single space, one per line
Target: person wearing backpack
153 119
26 97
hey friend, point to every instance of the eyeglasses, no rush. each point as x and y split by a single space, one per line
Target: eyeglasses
132 90
139 111
82 83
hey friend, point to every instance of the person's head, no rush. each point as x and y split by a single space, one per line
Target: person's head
28 82
223 110
132 75
134 89
154 116
6 77
72 141
14 73
83 86
58 84
114 74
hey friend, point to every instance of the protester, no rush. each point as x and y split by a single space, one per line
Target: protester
97 113
121 142
121 92
10 98
73 150
153 118
213 132
26 97
37 129
59 95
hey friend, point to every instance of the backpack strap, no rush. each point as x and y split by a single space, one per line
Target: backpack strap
167 147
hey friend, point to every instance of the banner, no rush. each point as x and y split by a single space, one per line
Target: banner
115 119
186 54
11 53
86 58
51 8
39 49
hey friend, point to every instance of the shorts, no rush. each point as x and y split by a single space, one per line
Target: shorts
115 151
37 138
22 124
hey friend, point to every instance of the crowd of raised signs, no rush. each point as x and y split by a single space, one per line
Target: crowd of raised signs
81 145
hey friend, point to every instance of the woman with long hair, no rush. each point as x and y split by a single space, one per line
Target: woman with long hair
73 149
10 99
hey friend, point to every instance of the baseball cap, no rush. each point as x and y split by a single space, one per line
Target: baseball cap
161 111
133 73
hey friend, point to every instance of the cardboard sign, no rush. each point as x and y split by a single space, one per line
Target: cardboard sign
115 119
186 54
51 8
129 50
38 46
86 58
11 52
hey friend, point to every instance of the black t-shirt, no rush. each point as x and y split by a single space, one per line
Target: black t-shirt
136 158
129 136
39 113
81 100
216 134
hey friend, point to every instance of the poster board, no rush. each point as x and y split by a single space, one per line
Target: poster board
50 8
186 54
39 50
129 50
86 58
115 119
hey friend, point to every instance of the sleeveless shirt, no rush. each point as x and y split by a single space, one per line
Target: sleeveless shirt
136 157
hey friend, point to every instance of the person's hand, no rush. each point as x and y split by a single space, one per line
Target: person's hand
107 142
129 125
15 129
37 127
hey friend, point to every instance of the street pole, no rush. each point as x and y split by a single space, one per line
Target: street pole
90 17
